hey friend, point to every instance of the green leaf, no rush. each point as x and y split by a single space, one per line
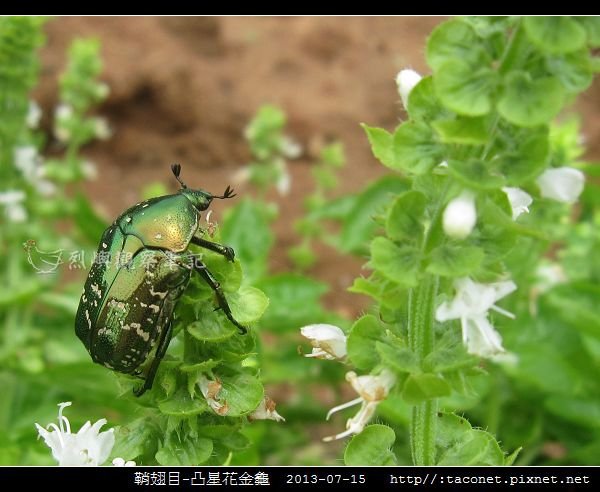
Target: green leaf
555 34
527 102
452 41
465 89
134 439
87 220
528 159
581 411
404 221
573 70
365 332
460 444
182 405
248 304
452 260
416 149
211 329
576 304
359 227
423 103
476 448
463 130
399 359
294 301
475 173
381 144
449 359
372 447
184 452
246 229
242 393
399 264
421 387
592 26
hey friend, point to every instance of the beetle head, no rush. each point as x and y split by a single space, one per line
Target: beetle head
200 199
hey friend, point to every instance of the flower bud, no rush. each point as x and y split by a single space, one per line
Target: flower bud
460 216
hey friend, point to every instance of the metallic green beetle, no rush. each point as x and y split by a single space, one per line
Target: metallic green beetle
141 270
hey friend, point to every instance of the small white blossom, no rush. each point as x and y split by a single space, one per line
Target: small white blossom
62 114
28 161
266 411
284 179
122 462
13 207
328 341
101 129
34 114
89 447
372 390
460 216
290 148
210 390
471 304
89 169
563 184
102 90
519 200
406 81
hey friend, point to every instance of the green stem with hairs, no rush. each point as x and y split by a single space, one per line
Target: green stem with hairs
421 338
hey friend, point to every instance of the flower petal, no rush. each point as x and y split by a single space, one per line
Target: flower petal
563 184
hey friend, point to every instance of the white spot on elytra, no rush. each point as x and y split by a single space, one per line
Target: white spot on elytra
161 295
96 290
143 304
154 307
128 219
144 205
104 245
158 236
138 329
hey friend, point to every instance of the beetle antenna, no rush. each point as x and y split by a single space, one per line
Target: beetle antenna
227 194
176 169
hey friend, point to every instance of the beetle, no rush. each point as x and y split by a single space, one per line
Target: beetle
140 271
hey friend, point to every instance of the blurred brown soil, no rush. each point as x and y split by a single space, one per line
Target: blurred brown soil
183 89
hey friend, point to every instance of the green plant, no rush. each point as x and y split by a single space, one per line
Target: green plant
478 150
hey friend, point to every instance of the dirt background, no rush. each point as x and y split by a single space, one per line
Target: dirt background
183 89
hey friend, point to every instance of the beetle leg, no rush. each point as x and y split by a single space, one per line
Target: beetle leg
226 251
163 344
214 285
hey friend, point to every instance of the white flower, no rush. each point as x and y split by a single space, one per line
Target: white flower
28 161
89 447
290 148
563 184
284 179
460 216
89 169
101 129
210 389
471 304
102 90
122 462
519 200
13 208
266 411
328 341
62 114
372 390
406 81
34 114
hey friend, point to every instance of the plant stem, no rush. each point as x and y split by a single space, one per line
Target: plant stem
421 338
